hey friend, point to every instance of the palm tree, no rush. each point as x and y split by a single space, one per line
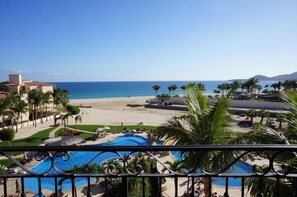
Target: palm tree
220 87
60 96
183 87
291 99
3 110
236 84
34 100
262 113
175 166
242 87
217 92
279 85
258 87
280 118
200 86
18 107
251 113
174 87
169 89
156 88
190 85
77 118
9 111
65 118
251 84
207 123
4 87
270 185
90 168
224 87
45 100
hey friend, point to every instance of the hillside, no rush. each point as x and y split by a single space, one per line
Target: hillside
283 77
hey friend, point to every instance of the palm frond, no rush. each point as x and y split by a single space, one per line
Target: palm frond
266 135
268 186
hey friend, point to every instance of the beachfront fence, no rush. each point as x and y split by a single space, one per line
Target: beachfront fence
145 170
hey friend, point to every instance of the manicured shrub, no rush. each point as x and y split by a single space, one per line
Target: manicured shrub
72 110
7 134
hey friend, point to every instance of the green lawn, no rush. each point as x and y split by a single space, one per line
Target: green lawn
112 128
33 140
7 162
92 128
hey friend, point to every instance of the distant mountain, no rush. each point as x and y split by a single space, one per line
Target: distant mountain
263 78
291 76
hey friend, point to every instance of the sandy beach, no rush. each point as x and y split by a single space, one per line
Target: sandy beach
114 111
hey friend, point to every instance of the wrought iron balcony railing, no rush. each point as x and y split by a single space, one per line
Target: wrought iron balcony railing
143 170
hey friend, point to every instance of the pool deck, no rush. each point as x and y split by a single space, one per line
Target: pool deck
168 188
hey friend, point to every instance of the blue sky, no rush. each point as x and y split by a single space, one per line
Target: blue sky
71 40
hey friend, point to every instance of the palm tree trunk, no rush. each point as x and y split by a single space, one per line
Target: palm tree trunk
21 120
262 118
17 123
12 123
35 117
46 111
2 122
42 113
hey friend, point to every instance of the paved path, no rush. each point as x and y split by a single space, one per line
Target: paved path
52 133
27 131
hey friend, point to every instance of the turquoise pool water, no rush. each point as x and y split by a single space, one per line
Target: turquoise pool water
239 168
78 158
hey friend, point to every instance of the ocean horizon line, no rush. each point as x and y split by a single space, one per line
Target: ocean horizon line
132 81
93 90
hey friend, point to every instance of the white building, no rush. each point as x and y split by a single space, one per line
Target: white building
18 85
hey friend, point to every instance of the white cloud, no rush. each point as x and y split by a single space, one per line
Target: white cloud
28 74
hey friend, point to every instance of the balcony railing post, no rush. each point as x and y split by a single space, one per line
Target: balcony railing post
260 194
89 187
143 187
125 186
23 188
5 186
106 186
242 187
295 183
226 194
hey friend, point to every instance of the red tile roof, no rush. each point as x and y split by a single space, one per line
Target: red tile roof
37 83
3 95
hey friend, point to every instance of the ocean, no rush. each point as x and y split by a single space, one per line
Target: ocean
89 90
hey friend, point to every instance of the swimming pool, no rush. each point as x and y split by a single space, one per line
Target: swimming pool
238 168
78 158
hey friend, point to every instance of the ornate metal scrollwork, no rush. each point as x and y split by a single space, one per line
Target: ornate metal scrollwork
117 162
